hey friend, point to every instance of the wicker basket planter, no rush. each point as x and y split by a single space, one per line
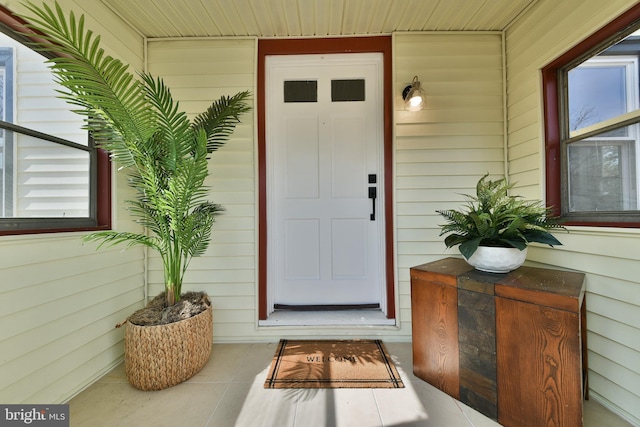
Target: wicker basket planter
157 357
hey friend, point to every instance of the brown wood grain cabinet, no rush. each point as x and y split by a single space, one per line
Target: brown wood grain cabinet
512 346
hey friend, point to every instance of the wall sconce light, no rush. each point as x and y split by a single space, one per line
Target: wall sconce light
413 96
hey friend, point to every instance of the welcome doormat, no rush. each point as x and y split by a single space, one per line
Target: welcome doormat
332 364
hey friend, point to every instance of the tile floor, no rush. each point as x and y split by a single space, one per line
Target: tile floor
229 392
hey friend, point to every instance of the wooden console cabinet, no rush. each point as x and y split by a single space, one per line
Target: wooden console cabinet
512 346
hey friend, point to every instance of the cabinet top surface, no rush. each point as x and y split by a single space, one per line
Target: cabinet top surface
449 266
561 283
568 283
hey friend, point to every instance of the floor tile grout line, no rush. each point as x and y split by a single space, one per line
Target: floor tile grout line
464 413
226 390
240 363
295 412
375 400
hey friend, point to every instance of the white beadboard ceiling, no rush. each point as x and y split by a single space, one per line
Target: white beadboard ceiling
305 18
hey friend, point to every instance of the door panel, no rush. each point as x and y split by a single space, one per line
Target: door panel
349 248
349 148
301 158
302 249
323 246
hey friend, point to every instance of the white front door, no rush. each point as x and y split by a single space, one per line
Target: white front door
324 145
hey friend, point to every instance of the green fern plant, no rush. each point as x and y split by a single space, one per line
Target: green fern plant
494 218
137 121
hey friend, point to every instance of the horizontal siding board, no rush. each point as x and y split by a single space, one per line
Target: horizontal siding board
469 88
466 64
448 156
615 352
427 220
524 150
233 249
234 303
614 288
413 42
460 128
529 163
461 114
204 67
185 51
445 45
451 168
234 289
232 171
619 311
419 208
195 277
463 182
526 133
234 316
205 94
458 142
529 180
614 331
221 262
445 194
230 79
526 105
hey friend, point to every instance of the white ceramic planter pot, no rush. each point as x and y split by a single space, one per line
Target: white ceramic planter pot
497 260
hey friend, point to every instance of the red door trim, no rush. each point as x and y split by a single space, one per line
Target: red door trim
316 46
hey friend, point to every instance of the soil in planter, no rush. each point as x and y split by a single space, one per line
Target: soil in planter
157 312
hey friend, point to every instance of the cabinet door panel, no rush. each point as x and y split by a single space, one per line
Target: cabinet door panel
539 369
435 335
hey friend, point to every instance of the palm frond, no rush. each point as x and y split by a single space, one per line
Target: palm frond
196 228
173 125
110 238
220 119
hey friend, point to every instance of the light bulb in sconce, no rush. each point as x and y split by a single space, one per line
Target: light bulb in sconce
414 96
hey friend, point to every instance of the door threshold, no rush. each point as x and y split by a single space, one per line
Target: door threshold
359 317
325 307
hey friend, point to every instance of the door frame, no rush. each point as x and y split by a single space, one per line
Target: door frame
319 46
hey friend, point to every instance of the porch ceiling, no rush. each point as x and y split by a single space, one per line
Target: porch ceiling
302 18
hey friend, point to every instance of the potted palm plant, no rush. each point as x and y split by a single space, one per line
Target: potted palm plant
136 120
494 228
